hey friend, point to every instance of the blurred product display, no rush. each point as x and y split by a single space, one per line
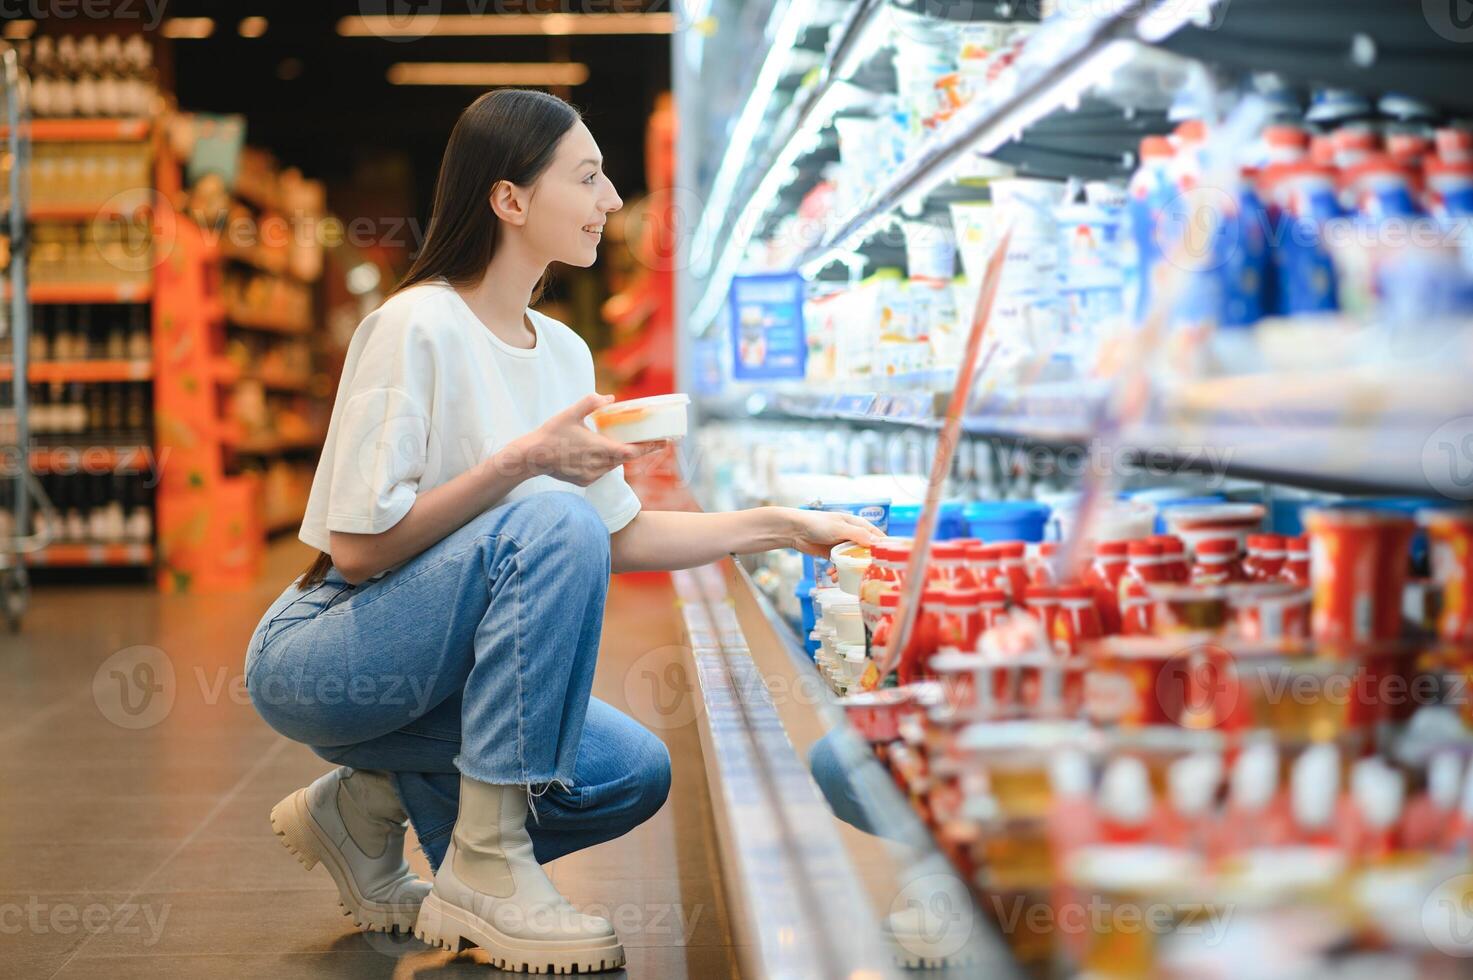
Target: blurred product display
1179 655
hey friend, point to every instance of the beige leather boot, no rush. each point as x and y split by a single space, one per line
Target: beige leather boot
491 892
352 823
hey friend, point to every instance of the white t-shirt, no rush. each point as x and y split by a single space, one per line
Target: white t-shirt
427 392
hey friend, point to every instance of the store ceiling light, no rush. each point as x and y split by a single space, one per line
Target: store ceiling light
253 26
488 73
190 28
504 25
19 30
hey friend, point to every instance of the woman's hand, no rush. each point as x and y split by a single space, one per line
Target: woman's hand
566 448
816 532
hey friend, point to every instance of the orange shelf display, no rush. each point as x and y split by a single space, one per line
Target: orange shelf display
85 130
83 372
136 555
90 459
257 321
73 212
87 292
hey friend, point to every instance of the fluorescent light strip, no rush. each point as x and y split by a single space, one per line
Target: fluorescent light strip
503 25
488 73
252 26
794 17
19 30
188 28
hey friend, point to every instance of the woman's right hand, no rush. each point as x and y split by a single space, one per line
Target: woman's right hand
566 448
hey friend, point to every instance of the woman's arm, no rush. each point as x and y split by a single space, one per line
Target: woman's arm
666 540
563 447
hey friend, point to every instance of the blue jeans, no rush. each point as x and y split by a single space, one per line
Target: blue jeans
475 657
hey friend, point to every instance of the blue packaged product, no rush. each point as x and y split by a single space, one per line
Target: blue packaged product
1006 520
1304 276
951 523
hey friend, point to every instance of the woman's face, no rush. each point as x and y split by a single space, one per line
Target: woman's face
569 202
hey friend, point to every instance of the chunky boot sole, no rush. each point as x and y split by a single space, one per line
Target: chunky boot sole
299 832
451 927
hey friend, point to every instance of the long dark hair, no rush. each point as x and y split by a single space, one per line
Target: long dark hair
510 134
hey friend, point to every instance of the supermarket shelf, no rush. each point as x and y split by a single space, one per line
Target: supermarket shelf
1350 430
276 447
87 292
84 555
228 373
91 459
269 324
84 130
73 212
781 877
290 522
250 258
83 371
1060 60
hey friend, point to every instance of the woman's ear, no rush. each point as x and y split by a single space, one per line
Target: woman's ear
508 202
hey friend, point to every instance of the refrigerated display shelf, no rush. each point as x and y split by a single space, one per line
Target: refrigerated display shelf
277 447
1369 429
74 212
804 890
1053 69
83 372
85 555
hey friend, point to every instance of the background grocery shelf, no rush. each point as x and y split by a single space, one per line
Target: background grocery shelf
84 130
88 292
83 371
81 555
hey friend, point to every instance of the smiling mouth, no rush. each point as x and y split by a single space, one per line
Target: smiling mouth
595 230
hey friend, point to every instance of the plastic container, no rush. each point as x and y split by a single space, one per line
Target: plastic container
643 419
850 560
950 522
1006 520
1197 523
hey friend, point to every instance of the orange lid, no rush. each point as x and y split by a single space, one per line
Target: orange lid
1142 549
1157 148
1217 546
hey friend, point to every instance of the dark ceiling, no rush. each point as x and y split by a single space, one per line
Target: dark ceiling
338 116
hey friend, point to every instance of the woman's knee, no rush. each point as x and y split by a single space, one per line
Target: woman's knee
654 779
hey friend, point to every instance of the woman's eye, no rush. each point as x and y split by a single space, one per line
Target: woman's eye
589 178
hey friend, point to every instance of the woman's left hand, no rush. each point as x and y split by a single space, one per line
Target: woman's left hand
816 532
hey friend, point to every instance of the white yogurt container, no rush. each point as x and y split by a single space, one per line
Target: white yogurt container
851 560
643 419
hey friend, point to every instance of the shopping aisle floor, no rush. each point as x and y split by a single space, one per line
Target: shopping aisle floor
134 839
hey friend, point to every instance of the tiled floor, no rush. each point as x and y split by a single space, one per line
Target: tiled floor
133 828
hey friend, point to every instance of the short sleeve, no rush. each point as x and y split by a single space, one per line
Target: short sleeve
613 499
381 449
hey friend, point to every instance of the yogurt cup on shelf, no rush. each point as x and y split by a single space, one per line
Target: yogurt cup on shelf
851 560
643 419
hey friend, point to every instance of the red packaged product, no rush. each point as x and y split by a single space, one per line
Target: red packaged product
1265 557
961 623
1450 543
1040 563
925 637
1012 574
1103 576
1358 561
1217 562
1042 603
1296 561
1174 566
1078 622
971 574
992 608
1143 566
945 568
